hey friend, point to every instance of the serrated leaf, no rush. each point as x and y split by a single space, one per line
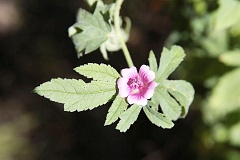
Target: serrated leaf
152 62
76 94
94 94
92 31
157 118
118 106
98 72
169 106
182 91
231 58
169 61
128 118
60 90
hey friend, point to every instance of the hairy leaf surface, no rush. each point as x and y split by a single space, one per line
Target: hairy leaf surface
98 72
157 118
182 91
118 106
169 61
128 118
90 32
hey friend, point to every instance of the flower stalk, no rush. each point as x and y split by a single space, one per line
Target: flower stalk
118 31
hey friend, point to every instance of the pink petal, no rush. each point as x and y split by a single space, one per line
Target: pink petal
124 89
129 72
146 74
150 90
136 99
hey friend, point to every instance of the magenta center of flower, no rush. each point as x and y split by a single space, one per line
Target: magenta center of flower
136 85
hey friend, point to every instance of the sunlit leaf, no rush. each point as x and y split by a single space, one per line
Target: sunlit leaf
157 118
118 106
77 95
128 118
152 62
169 61
234 137
98 72
171 109
182 91
231 58
228 14
91 31
225 97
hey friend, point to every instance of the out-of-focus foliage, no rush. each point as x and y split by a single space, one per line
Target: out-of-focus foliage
212 39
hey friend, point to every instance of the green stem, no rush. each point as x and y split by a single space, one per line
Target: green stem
118 31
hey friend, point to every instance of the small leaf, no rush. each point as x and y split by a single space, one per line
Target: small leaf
118 106
231 58
182 91
157 118
94 94
169 61
128 118
98 72
169 106
152 62
92 31
60 90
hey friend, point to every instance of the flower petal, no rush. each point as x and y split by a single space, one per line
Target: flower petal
129 72
150 90
146 74
136 99
124 89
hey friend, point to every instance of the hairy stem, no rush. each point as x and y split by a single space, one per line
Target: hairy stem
118 31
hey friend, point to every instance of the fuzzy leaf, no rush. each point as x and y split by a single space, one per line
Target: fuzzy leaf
182 91
152 62
76 94
128 118
169 106
98 72
90 31
157 118
94 94
169 61
60 90
118 106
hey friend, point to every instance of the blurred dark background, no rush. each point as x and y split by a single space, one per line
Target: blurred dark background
35 47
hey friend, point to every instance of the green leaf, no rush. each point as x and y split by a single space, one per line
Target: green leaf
182 91
152 62
98 72
90 32
76 94
169 106
234 137
228 14
94 94
225 97
128 118
231 58
169 61
118 106
157 118
60 90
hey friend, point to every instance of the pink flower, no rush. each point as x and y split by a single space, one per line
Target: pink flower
137 87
